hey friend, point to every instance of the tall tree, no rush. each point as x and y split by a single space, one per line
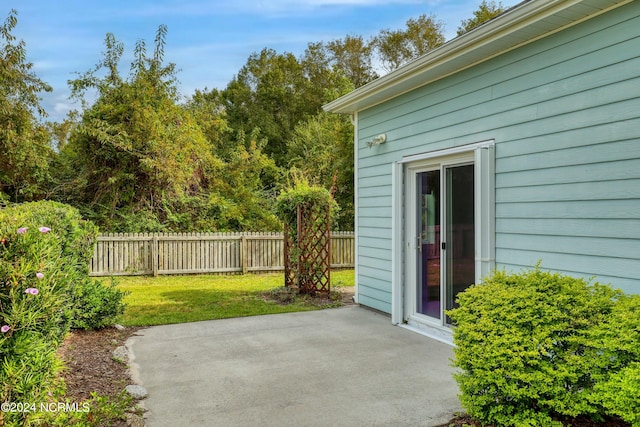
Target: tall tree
137 151
322 148
486 11
207 108
424 34
269 94
250 176
352 56
25 152
318 68
251 179
392 49
64 176
397 47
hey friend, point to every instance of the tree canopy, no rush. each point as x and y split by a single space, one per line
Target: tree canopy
139 157
24 141
397 47
486 11
136 150
147 163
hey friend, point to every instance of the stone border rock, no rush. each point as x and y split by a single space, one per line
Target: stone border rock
124 354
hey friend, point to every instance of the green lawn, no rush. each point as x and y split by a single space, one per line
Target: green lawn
178 299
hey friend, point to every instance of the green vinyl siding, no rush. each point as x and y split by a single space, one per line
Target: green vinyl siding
564 112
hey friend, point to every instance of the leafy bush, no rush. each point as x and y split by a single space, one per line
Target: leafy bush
45 248
302 194
535 347
617 360
96 305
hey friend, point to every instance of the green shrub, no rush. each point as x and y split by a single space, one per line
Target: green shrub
45 248
310 197
95 304
537 346
617 360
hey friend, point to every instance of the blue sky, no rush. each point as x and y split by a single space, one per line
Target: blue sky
208 40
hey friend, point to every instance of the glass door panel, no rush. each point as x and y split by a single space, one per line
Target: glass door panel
428 293
460 232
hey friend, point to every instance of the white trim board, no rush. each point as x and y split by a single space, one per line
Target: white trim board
448 151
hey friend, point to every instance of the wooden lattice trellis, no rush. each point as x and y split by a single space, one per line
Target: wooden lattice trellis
307 251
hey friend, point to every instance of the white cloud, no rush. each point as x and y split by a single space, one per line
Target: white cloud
304 7
262 7
348 2
62 108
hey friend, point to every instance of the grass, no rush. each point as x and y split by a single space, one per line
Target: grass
178 299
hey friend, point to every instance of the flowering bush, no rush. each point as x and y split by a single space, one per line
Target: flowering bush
45 248
33 312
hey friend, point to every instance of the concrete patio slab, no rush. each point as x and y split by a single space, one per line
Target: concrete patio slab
339 367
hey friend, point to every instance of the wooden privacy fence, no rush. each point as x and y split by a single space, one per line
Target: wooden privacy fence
125 254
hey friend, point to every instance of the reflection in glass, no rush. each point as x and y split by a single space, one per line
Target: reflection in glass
428 289
460 238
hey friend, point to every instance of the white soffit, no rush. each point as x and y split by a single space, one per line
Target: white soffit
523 24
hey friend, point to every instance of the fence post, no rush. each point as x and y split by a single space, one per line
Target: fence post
154 255
243 254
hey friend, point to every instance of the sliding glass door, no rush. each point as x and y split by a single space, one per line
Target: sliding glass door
444 227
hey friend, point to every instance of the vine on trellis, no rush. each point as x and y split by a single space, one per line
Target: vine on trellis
306 212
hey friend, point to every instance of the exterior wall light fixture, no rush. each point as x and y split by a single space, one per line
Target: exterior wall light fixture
377 140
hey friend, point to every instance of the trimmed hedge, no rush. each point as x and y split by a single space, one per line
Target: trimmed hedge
537 347
45 248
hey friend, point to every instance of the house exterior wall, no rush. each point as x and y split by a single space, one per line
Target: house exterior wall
564 112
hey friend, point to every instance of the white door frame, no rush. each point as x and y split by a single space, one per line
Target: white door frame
411 242
404 172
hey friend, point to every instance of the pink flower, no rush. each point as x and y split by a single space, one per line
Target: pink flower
39 275
5 328
44 229
32 291
22 230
